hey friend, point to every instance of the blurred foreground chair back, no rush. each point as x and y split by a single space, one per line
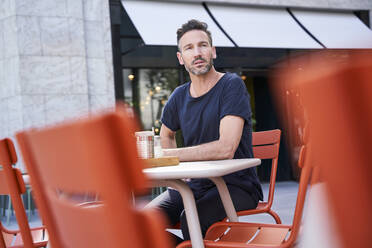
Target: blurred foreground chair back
266 146
12 184
336 90
240 234
95 157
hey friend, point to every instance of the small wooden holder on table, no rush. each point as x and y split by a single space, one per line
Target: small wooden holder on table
162 161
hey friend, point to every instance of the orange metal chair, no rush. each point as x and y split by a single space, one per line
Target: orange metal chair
11 183
97 156
266 146
336 91
240 234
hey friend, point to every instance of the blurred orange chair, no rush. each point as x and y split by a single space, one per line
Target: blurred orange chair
11 183
336 90
96 157
266 146
253 235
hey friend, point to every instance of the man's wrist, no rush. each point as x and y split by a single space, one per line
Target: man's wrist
168 152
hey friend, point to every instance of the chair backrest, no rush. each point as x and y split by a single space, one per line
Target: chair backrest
97 157
8 155
337 98
266 146
335 90
11 183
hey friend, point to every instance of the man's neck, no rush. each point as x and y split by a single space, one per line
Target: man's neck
201 84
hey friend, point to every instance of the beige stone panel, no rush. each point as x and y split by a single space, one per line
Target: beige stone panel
15 124
101 103
11 85
28 33
96 76
55 8
77 37
109 68
10 37
1 40
4 118
33 111
7 8
15 119
106 26
94 39
45 75
79 80
92 10
2 81
55 36
75 9
105 5
65 107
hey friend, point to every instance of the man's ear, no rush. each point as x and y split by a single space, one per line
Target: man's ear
180 59
214 53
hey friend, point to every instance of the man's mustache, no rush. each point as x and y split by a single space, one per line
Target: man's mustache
199 59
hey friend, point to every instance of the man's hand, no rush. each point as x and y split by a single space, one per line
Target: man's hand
231 128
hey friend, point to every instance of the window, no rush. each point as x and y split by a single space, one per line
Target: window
147 91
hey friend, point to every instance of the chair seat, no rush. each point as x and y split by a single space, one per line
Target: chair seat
248 233
237 234
14 240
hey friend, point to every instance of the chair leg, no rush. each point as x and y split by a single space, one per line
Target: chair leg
275 216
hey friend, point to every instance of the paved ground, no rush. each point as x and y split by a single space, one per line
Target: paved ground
284 204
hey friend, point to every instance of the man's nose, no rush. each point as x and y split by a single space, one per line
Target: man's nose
197 52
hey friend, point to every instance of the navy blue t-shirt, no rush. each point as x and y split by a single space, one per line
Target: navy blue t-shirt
199 120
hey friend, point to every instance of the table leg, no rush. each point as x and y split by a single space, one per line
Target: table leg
226 198
190 209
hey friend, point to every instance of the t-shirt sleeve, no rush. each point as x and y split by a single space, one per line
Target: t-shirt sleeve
170 115
236 100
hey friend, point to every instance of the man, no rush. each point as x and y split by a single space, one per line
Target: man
213 112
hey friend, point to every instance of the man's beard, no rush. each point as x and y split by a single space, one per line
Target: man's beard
200 71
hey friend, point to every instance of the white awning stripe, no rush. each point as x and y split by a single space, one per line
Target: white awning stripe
261 27
335 29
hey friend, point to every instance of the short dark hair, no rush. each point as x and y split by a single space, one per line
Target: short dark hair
193 25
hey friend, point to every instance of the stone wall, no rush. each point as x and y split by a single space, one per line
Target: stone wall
55 61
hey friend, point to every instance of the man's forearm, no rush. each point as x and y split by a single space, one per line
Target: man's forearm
209 151
168 142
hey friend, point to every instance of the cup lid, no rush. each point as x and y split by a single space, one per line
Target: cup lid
144 133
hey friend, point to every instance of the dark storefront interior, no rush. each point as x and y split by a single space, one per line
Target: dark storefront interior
146 75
